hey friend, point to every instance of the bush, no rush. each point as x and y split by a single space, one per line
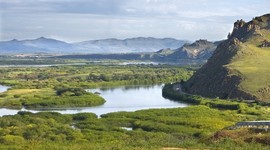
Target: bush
169 93
11 140
3 95
84 116
16 96
73 91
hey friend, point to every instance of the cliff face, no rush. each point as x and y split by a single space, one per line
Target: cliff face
233 69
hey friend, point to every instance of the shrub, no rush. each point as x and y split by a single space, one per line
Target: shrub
11 140
74 91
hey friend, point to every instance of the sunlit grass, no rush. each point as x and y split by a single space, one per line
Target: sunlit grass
24 91
254 67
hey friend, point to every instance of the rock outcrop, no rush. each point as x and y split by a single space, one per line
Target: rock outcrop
265 43
220 78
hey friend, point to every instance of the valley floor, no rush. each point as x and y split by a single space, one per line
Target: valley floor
200 126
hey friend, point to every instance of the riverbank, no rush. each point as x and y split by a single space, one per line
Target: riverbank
123 98
169 91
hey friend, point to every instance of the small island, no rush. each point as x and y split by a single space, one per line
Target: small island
49 98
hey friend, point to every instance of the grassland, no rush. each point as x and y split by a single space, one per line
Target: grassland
252 64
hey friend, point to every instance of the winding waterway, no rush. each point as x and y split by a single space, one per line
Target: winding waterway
126 98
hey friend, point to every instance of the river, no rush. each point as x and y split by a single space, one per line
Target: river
3 88
126 98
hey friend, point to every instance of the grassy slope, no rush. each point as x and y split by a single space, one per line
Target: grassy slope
253 62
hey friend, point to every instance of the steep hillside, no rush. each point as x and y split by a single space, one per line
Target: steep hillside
239 67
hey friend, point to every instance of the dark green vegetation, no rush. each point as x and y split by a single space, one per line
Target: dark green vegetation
90 76
63 86
191 127
239 68
216 103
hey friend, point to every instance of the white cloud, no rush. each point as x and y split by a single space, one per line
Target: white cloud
76 20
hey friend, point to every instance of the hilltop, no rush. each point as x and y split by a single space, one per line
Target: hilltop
239 67
200 49
54 46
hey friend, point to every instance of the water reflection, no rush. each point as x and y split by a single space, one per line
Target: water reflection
126 98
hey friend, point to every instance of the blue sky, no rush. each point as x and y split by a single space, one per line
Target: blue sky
79 20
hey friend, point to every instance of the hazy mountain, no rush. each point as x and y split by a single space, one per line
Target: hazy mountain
50 45
15 46
39 45
139 44
197 52
239 67
46 45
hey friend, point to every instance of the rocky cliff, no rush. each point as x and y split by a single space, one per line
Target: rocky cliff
239 67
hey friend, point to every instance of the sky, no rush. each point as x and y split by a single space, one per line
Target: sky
81 20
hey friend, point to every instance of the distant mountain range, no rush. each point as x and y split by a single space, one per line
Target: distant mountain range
200 51
131 45
140 48
53 46
39 45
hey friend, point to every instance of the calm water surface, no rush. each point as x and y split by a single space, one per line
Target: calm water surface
127 98
3 88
